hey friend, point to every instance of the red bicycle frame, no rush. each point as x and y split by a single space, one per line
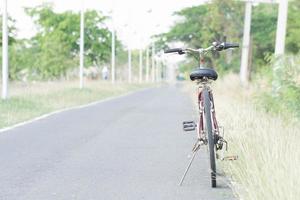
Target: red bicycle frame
201 132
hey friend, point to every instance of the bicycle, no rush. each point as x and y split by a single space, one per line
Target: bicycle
208 130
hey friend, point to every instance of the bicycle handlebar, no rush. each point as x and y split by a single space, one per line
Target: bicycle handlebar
175 50
215 47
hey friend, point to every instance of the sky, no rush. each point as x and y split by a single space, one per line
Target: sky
134 20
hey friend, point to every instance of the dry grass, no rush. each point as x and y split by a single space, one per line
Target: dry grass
29 100
267 146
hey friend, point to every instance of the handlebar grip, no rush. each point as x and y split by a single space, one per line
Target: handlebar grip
175 50
224 45
231 45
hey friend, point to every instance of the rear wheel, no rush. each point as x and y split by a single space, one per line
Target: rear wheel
210 137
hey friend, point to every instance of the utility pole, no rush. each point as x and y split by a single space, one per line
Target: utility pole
153 62
126 26
113 56
147 64
129 65
4 52
281 27
244 70
113 45
158 70
141 66
81 46
246 42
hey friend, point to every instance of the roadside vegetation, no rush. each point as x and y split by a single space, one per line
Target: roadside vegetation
279 86
35 99
262 120
267 145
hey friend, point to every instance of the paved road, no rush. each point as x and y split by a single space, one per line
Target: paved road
129 148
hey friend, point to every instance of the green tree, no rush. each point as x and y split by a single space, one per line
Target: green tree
293 28
57 40
54 50
21 59
12 30
263 33
199 26
66 25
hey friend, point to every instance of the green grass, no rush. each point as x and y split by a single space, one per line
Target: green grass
35 99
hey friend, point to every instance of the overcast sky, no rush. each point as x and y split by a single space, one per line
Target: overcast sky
134 13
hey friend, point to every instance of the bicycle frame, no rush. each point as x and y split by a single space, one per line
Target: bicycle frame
201 129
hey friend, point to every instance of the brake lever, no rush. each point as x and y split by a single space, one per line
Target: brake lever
218 46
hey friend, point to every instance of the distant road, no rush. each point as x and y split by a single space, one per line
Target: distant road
129 148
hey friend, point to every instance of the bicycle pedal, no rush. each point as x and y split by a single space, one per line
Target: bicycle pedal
189 126
230 158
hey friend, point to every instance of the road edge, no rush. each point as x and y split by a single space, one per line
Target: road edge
70 108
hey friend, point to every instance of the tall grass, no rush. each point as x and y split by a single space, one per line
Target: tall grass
267 145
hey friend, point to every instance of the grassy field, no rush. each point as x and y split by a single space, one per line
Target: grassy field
29 100
267 146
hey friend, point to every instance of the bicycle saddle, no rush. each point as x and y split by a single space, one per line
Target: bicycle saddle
203 72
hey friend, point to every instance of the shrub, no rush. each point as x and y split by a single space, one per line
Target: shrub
283 93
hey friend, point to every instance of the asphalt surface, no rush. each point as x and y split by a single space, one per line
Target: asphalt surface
129 148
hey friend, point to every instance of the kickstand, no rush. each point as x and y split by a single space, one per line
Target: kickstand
195 150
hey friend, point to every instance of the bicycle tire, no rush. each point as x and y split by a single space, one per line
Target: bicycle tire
210 137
